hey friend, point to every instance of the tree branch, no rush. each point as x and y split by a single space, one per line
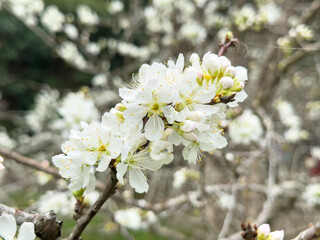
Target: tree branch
311 233
47 227
29 162
94 209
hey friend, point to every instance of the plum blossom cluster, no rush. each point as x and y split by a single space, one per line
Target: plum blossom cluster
290 119
165 106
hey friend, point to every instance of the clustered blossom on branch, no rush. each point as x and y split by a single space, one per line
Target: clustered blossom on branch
166 105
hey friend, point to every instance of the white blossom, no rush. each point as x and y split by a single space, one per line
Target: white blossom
71 31
312 195
52 19
246 128
86 15
9 227
135 218
60 202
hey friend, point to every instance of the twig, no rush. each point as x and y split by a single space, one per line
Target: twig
94 209
229 216
29 162
312 233
46 227
226 43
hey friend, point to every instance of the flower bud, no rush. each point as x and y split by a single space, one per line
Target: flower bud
263 231
225 62
276 235
230 71
194 57
166 134
143 140
188 126
226 82
191 137
120 107
211 63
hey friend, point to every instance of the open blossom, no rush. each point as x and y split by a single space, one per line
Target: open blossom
8 228
265 234
166 106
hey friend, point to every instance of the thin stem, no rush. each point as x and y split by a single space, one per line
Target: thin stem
94 209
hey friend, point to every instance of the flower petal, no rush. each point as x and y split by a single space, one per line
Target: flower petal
121 170
104 163
26 231
154 128
138 181
8 226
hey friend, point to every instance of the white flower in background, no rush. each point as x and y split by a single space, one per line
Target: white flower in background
179 178
301 31
289 118
87 16
69 52
93 48
52 19
265 234
99 80
6 141
1 165
76 108
312 195
8 228
92 197
71 31
193 32
60 202
115 6
182 175
245 17
46 103
269 13
129 218
246 128
315 152
42 178
27 10
135 218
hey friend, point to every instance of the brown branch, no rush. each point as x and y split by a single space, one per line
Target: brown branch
47 227
227 42
29 162
312 233
109 190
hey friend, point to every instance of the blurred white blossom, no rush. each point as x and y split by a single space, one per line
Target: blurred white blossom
87 16
312 195
135 218
246 128
52 19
